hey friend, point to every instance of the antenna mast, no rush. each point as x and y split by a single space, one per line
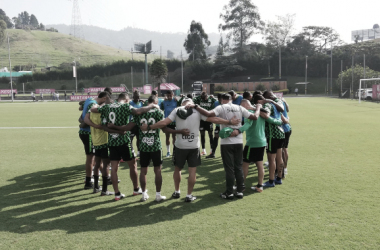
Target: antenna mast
76 28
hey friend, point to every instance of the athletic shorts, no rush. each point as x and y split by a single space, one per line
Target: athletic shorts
172 126
274 144
146 157
134 131
287 136
124 152
192 156
87 143
217 129
253 154
102 152
206 126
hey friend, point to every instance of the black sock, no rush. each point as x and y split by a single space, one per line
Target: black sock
105 183
118 193
88 180
259 186
96 181
278 178
136 189
271 181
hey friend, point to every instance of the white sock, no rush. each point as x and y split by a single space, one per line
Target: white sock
158 193
210 151
204 150
189 195
168 148
138 152
144 192
178 192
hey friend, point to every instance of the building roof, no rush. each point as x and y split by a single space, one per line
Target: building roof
15 74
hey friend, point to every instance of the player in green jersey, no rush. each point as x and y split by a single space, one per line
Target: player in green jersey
119 145
255 139
275 137
150 146
208 103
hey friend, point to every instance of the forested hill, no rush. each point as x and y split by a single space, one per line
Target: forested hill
124 39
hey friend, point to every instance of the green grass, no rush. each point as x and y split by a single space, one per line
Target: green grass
328 200
49 48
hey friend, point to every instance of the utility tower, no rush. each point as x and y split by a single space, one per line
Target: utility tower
76 28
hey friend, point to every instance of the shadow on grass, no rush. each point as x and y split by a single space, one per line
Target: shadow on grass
55 200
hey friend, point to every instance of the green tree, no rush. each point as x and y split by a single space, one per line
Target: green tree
277 34
6 19
97 80
353 75
196 41
34 21
242 20
321 37
42 26
158 71
3 27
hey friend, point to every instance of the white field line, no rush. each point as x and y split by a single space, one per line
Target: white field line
34 127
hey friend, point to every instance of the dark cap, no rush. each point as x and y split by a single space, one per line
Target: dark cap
226 96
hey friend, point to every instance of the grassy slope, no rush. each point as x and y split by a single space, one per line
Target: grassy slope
328 200
35 46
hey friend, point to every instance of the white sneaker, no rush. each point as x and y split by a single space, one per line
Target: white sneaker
144 197
160 198
257 189
138 192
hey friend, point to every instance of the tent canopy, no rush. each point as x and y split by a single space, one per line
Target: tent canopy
303 83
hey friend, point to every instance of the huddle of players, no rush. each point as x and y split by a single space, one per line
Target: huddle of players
114 118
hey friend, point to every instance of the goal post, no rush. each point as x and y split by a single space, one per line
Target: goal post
360 86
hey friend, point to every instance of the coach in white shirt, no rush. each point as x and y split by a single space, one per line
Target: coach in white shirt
231 147
187 147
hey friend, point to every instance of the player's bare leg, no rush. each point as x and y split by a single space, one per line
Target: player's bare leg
143 173
114 177
191 180
133 173
177 176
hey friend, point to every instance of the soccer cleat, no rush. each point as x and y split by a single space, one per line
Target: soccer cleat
278 182
168 154
210 156
190 199
176 195
144 197
88 186
239 195
267 184
97 190
160 198
106 193
203 153
119 197
227 196
138 192
257 189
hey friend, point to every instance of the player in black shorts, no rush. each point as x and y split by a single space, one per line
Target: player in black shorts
208 103
150 146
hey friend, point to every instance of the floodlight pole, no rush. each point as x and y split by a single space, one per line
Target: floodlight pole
132 77
341 78
364 68
327 86
331 71
10 66
76 77
182 72
306 70
279 59
146 68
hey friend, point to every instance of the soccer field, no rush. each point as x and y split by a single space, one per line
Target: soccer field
328 199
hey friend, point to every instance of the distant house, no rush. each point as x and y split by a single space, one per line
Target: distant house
15 75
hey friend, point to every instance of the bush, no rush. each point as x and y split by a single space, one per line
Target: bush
219 88
285 91
275 88
29 86
260 87
63 87
81 85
